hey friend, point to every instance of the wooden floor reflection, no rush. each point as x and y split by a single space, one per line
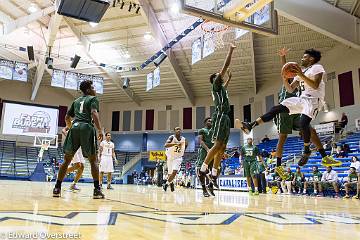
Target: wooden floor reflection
146 212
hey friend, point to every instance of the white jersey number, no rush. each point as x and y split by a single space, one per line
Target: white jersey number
82 106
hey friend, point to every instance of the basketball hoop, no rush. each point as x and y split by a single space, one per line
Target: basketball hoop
216 31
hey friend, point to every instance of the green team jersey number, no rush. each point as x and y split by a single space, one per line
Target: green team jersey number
81 108
249 153
317 176
353 177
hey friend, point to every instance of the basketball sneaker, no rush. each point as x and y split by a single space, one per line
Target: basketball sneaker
213 179
205 193
346 196
73 187
356 197
330 161
165 186
110 187
56 192
98 194
251 192
172 187
304 159
211 189
245 127
281 172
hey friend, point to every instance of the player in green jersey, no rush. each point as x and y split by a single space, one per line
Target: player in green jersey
81 133
298 181
249 154
205 140
221 120
352 181
314 179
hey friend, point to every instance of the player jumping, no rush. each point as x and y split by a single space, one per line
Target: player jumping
311 80
220 120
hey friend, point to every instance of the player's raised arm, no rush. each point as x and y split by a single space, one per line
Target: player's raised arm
229 78
282 53
227 60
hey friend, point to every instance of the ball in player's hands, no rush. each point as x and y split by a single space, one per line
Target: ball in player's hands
290 69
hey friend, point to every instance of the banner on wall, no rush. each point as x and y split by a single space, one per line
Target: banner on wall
29 120
157 155
231 182
20 72
6 69
325 129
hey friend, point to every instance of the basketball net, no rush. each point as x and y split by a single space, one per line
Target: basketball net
216 31
44 146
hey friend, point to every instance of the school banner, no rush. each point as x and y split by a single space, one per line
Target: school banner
157 155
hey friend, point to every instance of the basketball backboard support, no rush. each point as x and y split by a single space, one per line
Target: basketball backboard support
254 15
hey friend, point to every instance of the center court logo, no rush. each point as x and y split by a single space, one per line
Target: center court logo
182 218
39 122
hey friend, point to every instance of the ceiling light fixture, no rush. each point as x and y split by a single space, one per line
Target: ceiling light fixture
147 36
175 8
93 24
33 8
130 6
127 55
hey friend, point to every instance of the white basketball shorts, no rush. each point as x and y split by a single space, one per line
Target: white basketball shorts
173 164
106 164
302 105
78 157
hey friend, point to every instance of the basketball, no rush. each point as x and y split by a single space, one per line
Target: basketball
287 69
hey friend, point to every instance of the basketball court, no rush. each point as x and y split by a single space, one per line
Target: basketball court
150 62
141 212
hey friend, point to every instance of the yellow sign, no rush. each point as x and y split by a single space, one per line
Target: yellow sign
157 155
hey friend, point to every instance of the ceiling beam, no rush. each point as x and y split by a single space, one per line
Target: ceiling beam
149 15
252 36
114 76
12 25
318 16
53 29
355 7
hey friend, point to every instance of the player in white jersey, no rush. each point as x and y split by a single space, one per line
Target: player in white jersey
175 148
77 164
311 80
107 154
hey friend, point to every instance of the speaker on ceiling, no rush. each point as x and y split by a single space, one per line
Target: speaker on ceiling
30 52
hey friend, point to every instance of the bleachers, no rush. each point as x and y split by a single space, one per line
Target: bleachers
20 161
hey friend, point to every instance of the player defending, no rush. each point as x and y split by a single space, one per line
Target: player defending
221 120
205 135
81 133
107 154
175 145
249 153
311 81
